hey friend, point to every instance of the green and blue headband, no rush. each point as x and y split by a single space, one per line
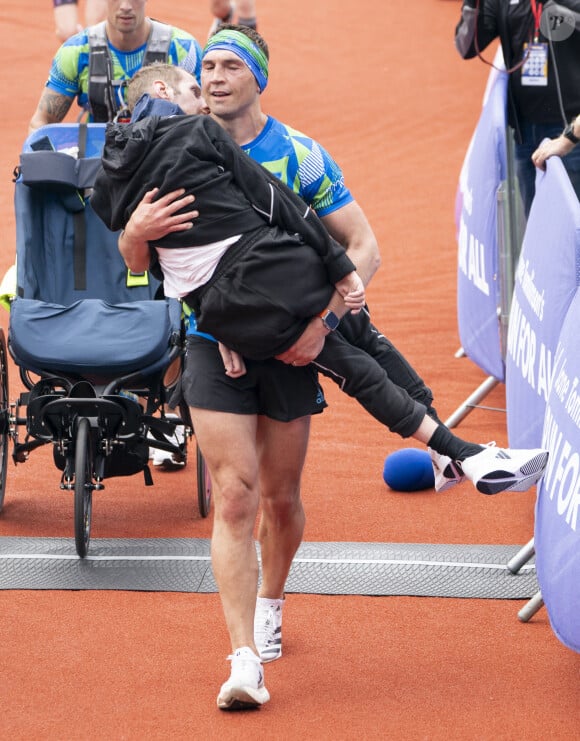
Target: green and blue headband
241 45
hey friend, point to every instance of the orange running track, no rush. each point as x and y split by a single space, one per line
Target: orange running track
381 86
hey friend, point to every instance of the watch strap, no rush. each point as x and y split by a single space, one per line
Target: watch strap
569 134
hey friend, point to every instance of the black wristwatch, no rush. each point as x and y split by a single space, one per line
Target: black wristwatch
329 319
569 133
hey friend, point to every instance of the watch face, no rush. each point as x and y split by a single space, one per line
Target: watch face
331 320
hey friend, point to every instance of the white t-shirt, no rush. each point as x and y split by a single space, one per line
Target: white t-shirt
188 268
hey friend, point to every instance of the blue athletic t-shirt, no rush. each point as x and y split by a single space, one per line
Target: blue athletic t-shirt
302 164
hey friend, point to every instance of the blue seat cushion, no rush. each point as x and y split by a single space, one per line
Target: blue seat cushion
89 336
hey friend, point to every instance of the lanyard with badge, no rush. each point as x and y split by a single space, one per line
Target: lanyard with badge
535 67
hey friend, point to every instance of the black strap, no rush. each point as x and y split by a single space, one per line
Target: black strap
83 133
80 227
100 90
158 43
105 93
80 251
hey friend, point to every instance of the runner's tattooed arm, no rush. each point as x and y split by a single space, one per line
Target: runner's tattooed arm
52 108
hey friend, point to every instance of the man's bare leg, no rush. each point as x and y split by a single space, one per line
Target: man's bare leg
282 519
222 11
281 523
95 11
220 8
228 442
66 21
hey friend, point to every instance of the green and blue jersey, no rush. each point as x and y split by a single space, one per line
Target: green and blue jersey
69 73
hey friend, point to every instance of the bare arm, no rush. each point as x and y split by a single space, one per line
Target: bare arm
134 251
151 220
559 147
350 227
52 108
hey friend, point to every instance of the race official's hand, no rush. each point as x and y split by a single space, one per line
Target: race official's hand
155 218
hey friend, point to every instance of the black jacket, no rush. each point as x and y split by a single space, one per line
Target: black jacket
233 194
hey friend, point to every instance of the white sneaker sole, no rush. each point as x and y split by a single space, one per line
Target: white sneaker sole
168 464
241 698
448 478
446 475
528 475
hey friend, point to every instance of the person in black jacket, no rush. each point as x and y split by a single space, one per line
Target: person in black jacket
250 223
540 42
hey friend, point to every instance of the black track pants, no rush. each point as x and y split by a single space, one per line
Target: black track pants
359 330
359 375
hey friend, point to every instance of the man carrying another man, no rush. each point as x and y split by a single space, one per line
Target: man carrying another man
232 80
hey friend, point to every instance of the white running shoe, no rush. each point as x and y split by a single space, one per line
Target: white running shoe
165 459
268 628
502 469
245 687
447 471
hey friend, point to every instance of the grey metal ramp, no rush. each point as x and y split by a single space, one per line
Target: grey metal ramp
151 565
183 565
414 569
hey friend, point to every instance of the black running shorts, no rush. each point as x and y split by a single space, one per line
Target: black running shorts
270 388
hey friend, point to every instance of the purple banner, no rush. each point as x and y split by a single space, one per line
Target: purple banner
478 287
557 529
545 283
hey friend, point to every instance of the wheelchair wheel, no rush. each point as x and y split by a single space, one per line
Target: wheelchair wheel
83 487
4 417
203 479
203 485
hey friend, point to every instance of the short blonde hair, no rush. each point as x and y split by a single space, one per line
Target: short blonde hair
144 78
